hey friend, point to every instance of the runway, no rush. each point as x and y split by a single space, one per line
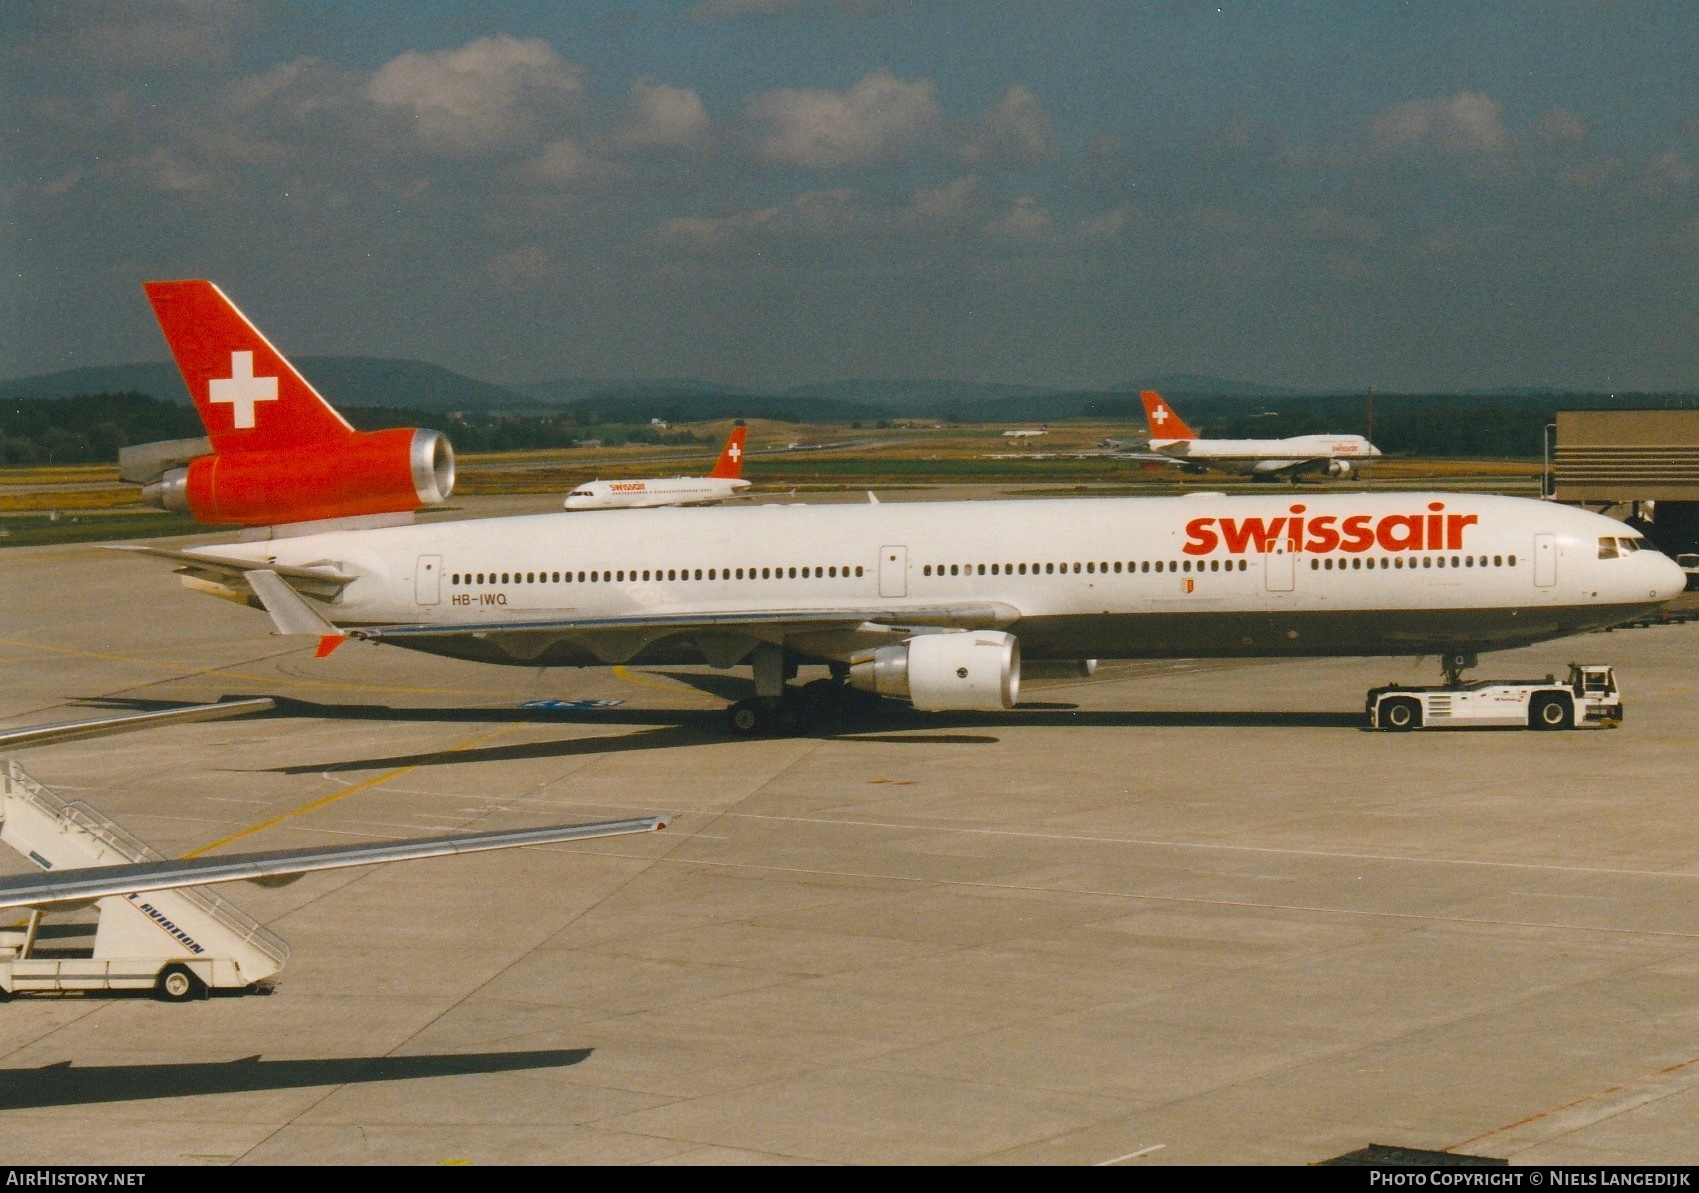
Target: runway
1180 913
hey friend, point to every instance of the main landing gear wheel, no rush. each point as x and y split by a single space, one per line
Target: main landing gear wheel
764 714
178 983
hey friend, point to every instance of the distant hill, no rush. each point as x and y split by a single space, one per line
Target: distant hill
904 394
1177 385
690 408
568 391
343 380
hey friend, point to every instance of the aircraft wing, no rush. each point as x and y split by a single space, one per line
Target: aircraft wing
280 866
617 640
1146 457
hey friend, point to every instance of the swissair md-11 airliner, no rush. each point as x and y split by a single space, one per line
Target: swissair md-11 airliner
934 602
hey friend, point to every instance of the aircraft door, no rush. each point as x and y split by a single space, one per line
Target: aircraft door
427 580
1545 560
893 571
1278 566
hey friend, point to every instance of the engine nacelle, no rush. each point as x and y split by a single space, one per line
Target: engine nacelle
372 472
979 670
1340 468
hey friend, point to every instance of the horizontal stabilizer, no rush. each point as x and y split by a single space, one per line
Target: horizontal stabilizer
238 567
282 865
289 610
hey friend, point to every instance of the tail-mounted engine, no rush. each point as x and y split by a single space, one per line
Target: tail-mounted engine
373 472
979 670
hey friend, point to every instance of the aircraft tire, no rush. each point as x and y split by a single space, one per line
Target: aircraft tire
178 983
746 718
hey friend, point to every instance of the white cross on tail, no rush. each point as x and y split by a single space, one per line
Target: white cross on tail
242 389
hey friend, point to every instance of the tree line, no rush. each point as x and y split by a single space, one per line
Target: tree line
90 428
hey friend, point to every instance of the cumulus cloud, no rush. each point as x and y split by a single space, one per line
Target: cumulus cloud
485 95
1106 225
1014 131
809 216
663 117
1469 122
1026 220
568 162
951 201
879 120
1671 169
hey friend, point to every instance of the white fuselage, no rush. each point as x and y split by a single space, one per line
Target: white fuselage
1269 455
655 491
1199 575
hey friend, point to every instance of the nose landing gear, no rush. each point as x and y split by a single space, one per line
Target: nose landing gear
1455 663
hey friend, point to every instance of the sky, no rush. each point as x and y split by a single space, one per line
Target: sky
770 193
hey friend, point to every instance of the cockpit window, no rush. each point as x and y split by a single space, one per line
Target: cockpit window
1607 548
1629 546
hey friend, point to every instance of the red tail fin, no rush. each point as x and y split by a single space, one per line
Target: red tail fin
730 464
1164 423
247 394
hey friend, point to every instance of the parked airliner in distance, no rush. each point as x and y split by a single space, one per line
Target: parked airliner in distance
725 480
1174 442
936 602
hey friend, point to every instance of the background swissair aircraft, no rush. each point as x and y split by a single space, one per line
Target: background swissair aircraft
724 481
1173 442
933 602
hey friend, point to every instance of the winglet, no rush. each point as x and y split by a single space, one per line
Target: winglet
328 643
730 464
1163 422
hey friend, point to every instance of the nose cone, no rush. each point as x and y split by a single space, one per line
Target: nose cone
1668 579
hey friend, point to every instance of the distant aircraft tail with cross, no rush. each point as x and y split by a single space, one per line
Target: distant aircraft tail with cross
730 464
1165 425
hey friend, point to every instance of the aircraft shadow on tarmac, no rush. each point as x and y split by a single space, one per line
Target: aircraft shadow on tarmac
66 1085
675 728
